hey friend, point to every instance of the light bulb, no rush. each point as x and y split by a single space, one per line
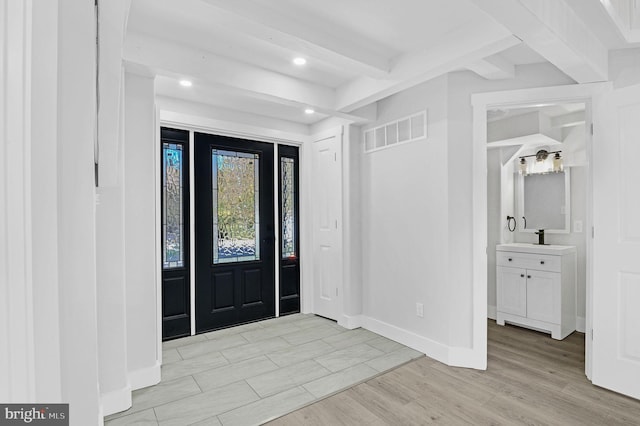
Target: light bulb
523 166
557 163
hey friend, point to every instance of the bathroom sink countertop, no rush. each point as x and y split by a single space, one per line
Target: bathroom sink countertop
536 248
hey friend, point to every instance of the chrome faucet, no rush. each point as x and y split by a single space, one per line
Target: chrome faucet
540 236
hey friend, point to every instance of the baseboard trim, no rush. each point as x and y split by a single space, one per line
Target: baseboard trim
466 357
581 325
351 322
116 401
429 347
145 377
492 312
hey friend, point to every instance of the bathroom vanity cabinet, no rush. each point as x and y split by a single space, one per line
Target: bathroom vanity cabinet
536 287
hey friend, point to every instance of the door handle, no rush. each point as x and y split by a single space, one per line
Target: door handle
521 275
528 276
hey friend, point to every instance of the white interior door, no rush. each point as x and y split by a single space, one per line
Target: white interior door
326 204
616 255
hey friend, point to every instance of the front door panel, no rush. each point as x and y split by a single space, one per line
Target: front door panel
234 231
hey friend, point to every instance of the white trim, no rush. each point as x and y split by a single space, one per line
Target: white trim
431 348
306 230
524 97
226 128
276 225
581 324
492 312
145 377
158 239
192 232
116 401
351 322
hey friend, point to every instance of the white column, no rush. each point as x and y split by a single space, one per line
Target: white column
76 210
17 375
44 200
115 390
140 158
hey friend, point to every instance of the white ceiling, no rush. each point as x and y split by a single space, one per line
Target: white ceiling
238 53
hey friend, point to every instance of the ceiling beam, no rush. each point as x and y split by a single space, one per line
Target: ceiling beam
174 60
551 28
180 61
568 120
466 45
263 23
626 21
493 67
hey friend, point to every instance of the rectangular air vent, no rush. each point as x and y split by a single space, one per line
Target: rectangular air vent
397 132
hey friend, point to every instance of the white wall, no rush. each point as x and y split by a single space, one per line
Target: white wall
405 224
495 222
352 222
140 158
416 214
624 67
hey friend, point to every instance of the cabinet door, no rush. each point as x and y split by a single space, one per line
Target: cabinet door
512 291
543 296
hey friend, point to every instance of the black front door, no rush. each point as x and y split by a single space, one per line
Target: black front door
235 234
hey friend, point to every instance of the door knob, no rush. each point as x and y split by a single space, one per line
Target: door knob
521 275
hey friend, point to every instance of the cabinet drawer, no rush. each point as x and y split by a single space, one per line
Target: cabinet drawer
540 262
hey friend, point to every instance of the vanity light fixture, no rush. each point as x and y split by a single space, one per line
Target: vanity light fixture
541 156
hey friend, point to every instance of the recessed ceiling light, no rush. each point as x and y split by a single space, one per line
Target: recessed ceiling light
186 83
309 111
299 61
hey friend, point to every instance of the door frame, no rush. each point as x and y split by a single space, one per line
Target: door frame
588 93
193 124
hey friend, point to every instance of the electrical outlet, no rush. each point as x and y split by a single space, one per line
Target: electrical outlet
420 310
577 226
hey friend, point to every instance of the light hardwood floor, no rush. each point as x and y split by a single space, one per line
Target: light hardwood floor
531 379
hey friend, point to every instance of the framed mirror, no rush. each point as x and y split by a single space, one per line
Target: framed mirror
544 200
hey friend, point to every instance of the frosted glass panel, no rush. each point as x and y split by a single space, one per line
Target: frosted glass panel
288 201
369 140
172 210
417 126
404 130
380 138
235 186
392 133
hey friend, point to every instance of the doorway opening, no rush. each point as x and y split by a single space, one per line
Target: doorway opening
234 267
537 216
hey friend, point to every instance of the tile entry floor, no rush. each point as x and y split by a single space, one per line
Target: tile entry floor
256 372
